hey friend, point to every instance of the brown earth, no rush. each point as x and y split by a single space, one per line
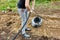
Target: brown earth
10 23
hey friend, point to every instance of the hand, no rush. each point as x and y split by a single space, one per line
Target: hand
30 11
33 8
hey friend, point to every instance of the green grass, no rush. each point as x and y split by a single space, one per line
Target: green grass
13 3
5 4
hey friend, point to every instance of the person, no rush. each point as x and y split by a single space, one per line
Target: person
24 9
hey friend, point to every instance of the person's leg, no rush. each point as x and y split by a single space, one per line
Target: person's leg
26 15
23 19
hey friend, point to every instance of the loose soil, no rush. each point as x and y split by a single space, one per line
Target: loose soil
10 23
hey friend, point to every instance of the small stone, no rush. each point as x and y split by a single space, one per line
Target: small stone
3 11
48 26
3 33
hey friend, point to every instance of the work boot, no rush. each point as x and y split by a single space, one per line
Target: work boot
26 35
27 29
